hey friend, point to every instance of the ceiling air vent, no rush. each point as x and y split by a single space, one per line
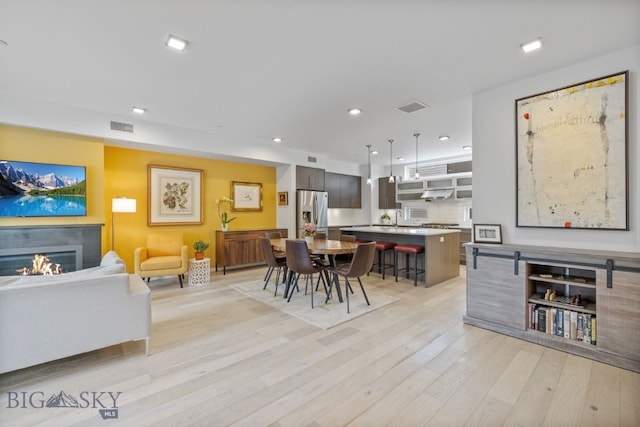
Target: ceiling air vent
412 107
122 127
312 159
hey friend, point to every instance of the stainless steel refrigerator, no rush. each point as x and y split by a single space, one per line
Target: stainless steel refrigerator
312 207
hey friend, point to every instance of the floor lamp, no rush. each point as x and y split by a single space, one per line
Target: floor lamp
120 205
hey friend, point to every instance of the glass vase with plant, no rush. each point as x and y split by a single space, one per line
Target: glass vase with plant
224 206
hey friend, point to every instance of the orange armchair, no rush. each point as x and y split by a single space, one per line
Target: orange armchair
164 255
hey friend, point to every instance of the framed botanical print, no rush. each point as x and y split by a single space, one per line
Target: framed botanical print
174 195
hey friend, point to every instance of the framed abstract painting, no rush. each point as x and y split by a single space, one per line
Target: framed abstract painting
572 156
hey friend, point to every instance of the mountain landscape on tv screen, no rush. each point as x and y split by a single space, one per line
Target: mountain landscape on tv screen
42 189
14 181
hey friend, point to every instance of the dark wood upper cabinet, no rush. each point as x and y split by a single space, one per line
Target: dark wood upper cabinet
332 186
310 178
345 191
386 194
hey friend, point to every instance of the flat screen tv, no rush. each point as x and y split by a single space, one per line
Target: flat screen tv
42 189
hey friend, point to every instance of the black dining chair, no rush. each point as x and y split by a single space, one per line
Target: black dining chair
359 266
299 262
278 264
280 255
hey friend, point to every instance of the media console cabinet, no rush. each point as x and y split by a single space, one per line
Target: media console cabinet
583 302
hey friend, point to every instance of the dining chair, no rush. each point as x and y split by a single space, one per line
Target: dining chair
299 262
359 266
278 254
273 263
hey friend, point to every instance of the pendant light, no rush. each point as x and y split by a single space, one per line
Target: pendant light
369 163
417 176
391 178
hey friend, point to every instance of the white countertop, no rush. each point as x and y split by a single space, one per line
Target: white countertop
390 229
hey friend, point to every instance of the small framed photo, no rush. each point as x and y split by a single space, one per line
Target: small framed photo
283 198
174 195
247 196
487 233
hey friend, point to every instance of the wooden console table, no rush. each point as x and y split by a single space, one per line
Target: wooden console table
236 248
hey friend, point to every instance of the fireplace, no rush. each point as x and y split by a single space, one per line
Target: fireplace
68 257
73 247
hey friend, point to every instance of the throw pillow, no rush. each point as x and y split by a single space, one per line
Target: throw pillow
111 258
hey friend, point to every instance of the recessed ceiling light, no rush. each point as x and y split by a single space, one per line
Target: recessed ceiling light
374 152
531 46
176 42
400 158
466 147
355 111
138 110
443 137
277 139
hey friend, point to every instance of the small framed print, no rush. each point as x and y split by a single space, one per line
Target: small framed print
247 196
283 198
487 233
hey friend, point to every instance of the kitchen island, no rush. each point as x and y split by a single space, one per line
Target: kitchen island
441 248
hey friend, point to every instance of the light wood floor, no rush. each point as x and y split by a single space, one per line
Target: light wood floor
219 358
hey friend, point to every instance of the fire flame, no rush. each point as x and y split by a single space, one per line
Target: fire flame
41 265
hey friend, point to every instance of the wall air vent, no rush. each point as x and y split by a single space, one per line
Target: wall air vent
412 107
122 127
312 159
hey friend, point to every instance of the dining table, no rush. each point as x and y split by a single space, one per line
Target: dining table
327 247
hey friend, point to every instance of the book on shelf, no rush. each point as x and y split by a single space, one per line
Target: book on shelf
530 320
567 324
574 325
593 330
551 320
559 322
586 326
542 319
580 327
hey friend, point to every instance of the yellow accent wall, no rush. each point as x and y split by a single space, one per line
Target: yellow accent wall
126 176
33 145
122 172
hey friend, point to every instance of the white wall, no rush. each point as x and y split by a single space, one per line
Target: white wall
494 170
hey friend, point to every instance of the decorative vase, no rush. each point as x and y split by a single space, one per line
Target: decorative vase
225 227
308 239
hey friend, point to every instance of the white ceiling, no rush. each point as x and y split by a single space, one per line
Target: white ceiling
257 69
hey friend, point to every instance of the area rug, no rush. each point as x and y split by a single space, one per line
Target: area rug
324 316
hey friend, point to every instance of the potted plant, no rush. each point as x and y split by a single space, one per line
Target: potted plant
223 206
385 218
200 246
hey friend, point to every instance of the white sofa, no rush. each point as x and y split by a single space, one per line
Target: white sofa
44 318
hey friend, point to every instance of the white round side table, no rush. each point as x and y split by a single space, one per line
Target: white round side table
199 271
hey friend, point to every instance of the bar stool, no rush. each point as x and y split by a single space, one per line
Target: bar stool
408 250
381 249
